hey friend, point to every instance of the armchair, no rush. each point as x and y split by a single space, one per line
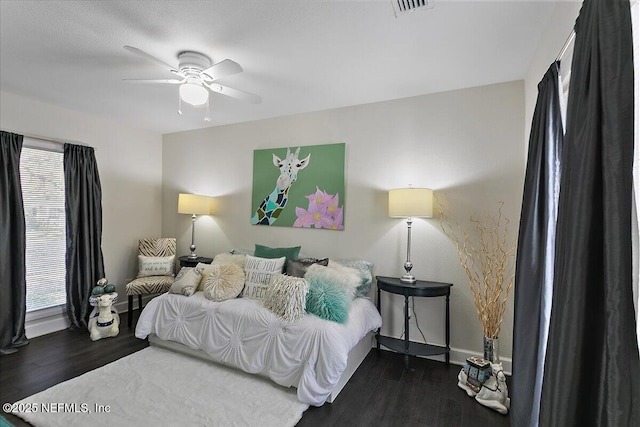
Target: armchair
152 284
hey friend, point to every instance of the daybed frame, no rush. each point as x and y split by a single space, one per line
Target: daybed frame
355 358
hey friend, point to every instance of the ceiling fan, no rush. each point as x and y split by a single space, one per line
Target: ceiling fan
196 76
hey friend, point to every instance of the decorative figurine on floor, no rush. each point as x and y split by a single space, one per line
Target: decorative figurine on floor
462 383
106 321
492 392
103 287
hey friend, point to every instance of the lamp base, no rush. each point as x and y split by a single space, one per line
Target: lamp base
407 278
192 255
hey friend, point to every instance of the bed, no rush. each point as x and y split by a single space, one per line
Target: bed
314 355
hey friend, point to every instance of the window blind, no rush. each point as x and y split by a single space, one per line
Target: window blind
42 178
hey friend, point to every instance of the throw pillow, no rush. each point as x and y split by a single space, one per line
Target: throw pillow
220 259
337 275
328 300
224 282
186 281
227 258
366 274
286 297
267 252
241 252
258 272
298 267
156 266
206 270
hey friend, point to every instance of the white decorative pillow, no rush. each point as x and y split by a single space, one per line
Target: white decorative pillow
366 273
186 281
348 278
220 259
156 266
223 282
206 271
227 258
259 271
286 297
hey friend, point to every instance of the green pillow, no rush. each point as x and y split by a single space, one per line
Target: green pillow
328 300
267 252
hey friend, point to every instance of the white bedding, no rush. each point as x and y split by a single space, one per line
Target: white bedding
309 354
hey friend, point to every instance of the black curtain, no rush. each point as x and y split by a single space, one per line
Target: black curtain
536 248
83 207
592 369
13 287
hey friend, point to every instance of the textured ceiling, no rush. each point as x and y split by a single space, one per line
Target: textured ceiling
299 56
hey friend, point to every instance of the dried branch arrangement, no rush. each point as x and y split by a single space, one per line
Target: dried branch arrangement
486 251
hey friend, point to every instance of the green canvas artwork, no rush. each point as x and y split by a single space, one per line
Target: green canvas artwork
299 187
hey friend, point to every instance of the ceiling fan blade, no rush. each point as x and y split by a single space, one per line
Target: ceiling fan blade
223 68
234 93
169 81
150 58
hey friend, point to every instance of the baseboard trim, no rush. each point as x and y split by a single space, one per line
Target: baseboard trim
458 356
46 325
59 321
123 304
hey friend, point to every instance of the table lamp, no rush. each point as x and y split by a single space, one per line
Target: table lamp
194 205
410 203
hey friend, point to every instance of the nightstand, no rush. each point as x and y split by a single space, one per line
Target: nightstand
420 288
185 261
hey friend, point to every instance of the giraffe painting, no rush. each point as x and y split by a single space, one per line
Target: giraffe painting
271 206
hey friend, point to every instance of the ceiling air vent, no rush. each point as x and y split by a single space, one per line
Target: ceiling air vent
402 7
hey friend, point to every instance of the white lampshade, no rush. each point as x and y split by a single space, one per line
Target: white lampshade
411 202
194 204
194 93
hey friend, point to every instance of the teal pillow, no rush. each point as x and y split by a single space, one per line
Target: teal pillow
267 252
328 300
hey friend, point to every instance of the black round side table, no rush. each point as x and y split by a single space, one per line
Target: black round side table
185 261
420 288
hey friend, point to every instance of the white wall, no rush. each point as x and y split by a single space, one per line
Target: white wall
130 167
467 143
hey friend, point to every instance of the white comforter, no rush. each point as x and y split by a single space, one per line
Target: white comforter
310 354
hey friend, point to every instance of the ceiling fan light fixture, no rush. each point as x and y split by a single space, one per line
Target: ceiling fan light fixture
197 75
194 93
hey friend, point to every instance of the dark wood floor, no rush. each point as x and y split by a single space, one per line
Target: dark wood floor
380 393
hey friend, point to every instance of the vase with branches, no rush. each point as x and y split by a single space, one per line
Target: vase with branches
486 250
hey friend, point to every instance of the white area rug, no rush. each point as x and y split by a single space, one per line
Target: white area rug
157 387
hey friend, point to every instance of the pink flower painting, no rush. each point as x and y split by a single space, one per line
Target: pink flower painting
324 211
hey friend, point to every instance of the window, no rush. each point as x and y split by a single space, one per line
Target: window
42 177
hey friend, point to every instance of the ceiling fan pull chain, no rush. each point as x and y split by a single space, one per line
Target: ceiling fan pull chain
207 116
179 103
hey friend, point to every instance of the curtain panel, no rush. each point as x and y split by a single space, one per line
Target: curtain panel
536 249
83 207
592 369
13 287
